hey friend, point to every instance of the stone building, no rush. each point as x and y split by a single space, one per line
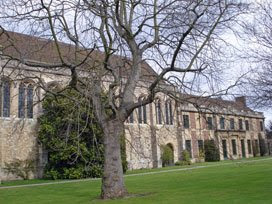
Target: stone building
234 127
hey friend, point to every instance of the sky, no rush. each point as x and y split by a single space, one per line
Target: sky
243 65
237 67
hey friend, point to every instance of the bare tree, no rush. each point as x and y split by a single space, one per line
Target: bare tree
257 34
174 36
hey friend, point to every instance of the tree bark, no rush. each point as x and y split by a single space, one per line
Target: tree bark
113 180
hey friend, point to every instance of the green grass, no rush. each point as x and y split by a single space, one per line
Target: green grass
233 183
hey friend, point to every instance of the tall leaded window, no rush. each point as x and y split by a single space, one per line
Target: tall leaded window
210 123
222 123
247 125
186 123
232 126
29 104
142 117
5 98
25 101
240 124
158 112
21 101
168 113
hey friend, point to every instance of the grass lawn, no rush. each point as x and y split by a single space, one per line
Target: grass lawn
230 183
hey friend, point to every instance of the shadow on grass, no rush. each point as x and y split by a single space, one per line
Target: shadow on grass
130 195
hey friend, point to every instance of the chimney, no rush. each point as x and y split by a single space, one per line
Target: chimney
241 100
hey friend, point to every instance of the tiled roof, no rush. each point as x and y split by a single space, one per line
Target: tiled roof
218 103
40 50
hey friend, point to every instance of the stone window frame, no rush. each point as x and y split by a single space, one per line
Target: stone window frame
222 123
210 123
5 97
232 124
240 123
168 112
247 124
26 99
158 110
186 121
142 113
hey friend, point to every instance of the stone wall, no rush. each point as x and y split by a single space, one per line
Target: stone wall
144 141
18 142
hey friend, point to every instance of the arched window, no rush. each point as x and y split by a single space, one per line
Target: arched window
30 101
21 101
142 117
25 101
5 98
158 111
168 113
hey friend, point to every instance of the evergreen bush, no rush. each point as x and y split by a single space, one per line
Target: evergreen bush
70 133
211 151
167 156
186 160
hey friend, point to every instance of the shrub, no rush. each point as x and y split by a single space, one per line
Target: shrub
167 156
51 174
186 157
211 151
201 156
182 163
186 160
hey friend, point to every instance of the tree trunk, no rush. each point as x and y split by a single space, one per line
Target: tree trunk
113 180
